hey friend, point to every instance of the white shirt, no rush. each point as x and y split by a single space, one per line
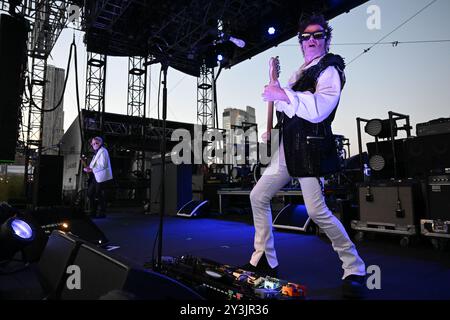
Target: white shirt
101 166
314 107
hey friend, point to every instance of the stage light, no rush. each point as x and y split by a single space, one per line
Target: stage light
15 234
65 225
271 31
219 57
380 128
21 229
377 162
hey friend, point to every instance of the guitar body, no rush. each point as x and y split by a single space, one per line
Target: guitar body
84 163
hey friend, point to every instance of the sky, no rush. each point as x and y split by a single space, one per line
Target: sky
410 78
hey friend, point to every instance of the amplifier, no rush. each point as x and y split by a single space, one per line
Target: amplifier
438 197
395 203
427 155
437 126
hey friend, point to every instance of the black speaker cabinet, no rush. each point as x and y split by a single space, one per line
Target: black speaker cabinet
178 186
57 256
49 180
395 203
384 149
78 224
427 155
102 275
13 37
439 197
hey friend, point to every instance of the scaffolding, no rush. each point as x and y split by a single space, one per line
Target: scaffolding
137 83
205 97
137 95
95 82
47 19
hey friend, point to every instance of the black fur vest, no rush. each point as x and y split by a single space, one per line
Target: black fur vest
310 148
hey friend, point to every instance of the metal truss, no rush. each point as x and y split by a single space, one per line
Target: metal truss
95 82
151 130
137 94
137 83
36 104
47 19
107 12
95 97
205 97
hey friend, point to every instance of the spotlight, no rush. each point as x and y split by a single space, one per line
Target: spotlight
219 57
15 234
380 128
377 162
271 31
21 229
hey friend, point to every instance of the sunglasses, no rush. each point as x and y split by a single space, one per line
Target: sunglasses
305 36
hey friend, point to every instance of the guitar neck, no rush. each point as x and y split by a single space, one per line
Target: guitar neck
269 117
274 73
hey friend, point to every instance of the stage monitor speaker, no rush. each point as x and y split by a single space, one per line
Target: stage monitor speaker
384 149
58 254
13 54
106 277
194 208
396 203
178 185
77 223
439 197
427 155
49 180
292 217
101 274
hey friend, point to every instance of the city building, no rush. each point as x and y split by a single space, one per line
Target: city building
53 122
232 117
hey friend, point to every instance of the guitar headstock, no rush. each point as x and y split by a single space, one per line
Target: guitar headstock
274 69
83 159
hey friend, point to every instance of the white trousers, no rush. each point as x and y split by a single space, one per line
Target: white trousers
273 179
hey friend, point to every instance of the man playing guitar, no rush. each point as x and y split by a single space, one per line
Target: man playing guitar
100 175
307 151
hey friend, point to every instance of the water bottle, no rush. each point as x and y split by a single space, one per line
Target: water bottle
367 172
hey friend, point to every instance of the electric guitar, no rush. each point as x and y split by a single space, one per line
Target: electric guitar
83 160
274 73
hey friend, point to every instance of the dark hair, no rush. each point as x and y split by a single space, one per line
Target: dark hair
318 19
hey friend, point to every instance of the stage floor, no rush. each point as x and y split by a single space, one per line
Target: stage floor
415 272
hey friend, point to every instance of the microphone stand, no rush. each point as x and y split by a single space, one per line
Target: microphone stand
162 207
